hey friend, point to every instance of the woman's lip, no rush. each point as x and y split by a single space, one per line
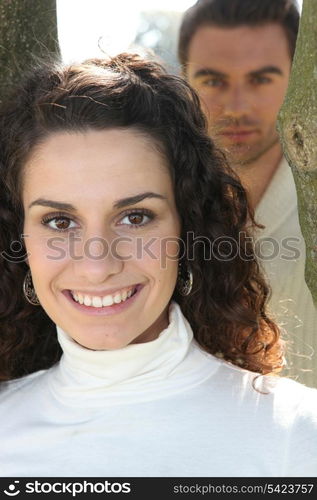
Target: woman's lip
103 293
106 310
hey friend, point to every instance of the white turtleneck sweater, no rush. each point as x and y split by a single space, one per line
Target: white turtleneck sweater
291 303
162 408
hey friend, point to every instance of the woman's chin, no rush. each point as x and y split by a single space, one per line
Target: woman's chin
105 341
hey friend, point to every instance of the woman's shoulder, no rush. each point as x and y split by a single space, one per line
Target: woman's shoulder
9 388
296 405
286 388
292 403
272 390
301 396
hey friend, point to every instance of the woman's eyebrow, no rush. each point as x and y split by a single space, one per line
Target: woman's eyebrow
53 204
131 200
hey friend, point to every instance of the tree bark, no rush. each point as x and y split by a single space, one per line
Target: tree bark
28 29
297 127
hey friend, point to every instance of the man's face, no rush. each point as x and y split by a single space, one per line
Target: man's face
241 75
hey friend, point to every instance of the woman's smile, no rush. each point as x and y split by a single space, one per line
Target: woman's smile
103 304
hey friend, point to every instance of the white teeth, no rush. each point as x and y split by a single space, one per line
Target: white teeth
117 298
97 302
87 300
107 300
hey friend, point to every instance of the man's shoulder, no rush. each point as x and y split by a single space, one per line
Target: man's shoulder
277 210
281 191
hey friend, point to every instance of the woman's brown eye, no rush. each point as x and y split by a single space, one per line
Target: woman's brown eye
59 223
136 218
62 224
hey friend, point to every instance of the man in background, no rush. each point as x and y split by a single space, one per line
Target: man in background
237 54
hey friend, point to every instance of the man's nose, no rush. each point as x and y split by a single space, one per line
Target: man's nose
237 102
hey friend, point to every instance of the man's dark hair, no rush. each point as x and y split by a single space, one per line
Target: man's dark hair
233 13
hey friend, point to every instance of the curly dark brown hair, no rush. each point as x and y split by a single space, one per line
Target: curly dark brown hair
227 306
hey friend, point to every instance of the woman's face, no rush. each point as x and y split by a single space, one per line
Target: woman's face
101 230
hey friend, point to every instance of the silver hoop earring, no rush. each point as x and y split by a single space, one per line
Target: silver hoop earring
184 283
29 291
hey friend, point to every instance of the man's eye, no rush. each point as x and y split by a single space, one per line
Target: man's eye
259 80
59 223
213 82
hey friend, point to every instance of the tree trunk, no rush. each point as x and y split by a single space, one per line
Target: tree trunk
28 29
297 126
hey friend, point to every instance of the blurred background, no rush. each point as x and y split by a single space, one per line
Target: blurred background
93 28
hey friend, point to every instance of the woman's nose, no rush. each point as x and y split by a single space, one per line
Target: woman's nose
95 261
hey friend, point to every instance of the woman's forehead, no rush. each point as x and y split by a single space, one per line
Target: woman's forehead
113 163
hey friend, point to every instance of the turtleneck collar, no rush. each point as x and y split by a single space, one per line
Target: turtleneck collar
138 372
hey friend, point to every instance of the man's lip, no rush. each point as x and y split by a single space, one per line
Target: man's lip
236 132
